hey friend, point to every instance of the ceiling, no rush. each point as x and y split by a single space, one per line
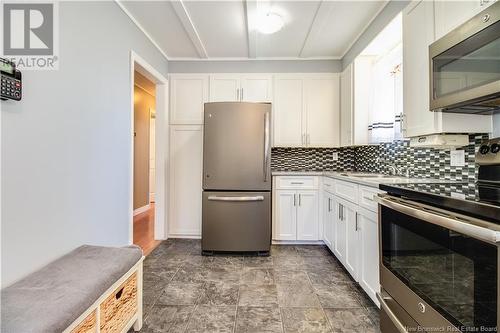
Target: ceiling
225 30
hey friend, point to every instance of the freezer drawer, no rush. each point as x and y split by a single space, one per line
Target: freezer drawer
236 221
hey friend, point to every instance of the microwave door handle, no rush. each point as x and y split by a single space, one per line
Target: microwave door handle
266 144
400 327
462 224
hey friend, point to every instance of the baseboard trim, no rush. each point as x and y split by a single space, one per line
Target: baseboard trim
186 236
141 209
296 242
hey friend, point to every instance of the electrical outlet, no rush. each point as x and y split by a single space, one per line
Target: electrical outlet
457 158
335 156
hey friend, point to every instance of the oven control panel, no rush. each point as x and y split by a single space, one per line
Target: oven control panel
489 152
10 81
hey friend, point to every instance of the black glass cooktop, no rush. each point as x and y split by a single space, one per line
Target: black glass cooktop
478 200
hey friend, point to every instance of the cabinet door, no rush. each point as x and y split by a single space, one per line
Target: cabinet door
224 88
307 215
352 239
418 34
323 111
339 231
450 14
285 211
328 219
346 104
256 88
288 111
369 263
186 143
188 94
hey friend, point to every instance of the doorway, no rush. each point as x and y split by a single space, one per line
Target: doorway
149 155
144 162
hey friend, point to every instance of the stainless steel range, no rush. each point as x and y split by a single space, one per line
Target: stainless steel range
439 243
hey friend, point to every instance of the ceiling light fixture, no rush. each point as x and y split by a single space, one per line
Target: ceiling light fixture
269 23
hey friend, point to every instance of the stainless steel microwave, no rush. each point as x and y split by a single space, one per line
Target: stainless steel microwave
465 66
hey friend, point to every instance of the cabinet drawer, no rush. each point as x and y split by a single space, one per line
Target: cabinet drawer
297 182
347 190
329 185
367 198
88 325
119 307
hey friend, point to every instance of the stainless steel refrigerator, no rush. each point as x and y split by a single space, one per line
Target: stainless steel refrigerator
236 177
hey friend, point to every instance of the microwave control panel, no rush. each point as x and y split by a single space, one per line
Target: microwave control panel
11 82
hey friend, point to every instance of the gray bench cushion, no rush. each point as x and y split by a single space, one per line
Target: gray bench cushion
52 298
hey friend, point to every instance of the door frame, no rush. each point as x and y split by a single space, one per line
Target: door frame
161 144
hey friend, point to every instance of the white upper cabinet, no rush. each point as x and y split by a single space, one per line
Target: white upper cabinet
224 88
288 111
418 120
241 87
306 110
450 14
346 107
256 88
322 111
188 94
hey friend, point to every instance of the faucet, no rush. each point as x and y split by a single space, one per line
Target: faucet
407 172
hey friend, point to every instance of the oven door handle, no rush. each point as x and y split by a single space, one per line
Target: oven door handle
400 327
482 230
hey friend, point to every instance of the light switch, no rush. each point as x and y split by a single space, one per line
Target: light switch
335 156
457 158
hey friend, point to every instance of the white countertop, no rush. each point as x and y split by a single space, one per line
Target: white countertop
369 179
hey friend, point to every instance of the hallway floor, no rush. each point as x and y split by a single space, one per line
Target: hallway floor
296 289
144 229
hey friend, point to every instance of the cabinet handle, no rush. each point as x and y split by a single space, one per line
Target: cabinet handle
300 199
237 94
340 212
294 200
329 204
356 223
297 183
242 94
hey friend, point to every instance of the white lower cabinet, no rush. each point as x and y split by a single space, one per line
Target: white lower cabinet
296 209
339 230
307 215
285 222
350 230
328 218
352 236
368 277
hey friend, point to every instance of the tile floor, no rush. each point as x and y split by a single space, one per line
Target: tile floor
296 289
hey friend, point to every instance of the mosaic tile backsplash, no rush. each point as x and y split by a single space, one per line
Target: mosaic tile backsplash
422 163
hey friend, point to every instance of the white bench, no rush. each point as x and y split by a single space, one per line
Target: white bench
91 289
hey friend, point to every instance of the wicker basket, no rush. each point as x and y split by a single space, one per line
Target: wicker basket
88 325
119 307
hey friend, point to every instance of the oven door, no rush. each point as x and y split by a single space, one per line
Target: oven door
465 66
440 267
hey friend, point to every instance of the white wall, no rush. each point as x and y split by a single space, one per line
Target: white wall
255 66
496 125
65 146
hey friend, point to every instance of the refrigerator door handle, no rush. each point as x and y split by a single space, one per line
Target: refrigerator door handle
266 144
236 199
